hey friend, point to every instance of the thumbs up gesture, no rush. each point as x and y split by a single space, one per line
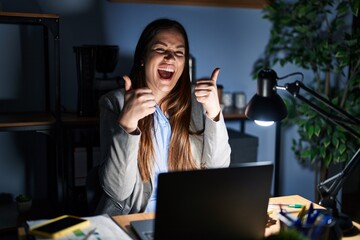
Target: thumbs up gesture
206 94
138 104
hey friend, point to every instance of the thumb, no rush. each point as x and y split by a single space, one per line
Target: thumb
215 74
127 83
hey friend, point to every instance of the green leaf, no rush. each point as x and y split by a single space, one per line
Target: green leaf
323 152
350 43
327 160
282 62
301 29
342 8
335 100
302 11
335 141
340 54
355 7
326 143
317 130
306 153
342 148
312 114
310 131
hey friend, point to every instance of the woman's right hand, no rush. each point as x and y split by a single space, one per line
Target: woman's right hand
138 104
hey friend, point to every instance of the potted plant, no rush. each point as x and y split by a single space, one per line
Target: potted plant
322 37
23 202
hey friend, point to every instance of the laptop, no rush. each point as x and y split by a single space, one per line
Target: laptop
222 203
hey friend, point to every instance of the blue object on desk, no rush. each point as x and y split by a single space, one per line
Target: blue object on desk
317 224
309 213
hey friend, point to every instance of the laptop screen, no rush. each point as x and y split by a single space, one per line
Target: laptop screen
225 203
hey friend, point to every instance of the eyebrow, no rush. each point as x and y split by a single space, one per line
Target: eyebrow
162 43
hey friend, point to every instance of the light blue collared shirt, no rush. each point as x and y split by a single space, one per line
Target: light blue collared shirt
161 139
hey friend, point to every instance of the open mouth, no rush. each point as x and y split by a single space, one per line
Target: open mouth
166 73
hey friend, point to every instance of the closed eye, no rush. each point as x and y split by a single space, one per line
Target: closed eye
162 51
179 53
159 50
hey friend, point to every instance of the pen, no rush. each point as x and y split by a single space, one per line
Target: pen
309 219
302 213
296 205
89 234
287 219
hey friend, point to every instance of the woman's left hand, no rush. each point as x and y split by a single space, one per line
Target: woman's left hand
206 93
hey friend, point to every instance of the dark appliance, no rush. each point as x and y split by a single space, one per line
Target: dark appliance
94 63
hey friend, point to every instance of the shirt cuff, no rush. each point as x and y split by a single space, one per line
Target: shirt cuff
135 132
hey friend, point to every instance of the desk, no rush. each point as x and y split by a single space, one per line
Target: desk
124 221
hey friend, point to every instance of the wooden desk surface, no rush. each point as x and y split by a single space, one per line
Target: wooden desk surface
124 221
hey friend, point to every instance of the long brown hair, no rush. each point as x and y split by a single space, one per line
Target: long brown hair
177 104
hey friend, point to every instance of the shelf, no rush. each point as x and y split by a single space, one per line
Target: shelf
74 119
234 114
36 121
29 15
45 121
217 3
26 121
50 21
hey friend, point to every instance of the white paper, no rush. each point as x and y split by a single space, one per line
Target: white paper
104 225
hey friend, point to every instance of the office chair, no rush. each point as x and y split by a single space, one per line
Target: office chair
93 189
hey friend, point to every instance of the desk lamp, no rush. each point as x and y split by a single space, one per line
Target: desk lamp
267 107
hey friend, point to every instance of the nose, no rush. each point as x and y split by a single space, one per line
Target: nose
169 55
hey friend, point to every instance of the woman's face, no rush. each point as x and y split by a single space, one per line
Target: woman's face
165 62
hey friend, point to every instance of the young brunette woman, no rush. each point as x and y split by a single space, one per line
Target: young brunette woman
160 122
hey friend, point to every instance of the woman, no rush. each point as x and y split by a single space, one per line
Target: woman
157 124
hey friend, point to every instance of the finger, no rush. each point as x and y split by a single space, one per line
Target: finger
127 83
203 83
215 74
201 99
202 92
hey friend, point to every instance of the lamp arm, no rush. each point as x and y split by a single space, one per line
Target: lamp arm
331 186
328 103
294 88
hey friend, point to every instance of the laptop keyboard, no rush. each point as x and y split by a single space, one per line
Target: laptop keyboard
149 235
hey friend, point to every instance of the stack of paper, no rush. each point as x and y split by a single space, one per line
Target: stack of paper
101 227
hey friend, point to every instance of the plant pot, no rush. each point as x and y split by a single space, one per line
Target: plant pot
24 206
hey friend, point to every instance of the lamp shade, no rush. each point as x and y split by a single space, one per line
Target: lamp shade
266 105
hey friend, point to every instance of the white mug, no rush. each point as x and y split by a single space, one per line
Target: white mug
240 100
227 99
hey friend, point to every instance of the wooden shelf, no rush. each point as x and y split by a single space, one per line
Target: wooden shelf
29 15
76 120
217 3
26 121
234 114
